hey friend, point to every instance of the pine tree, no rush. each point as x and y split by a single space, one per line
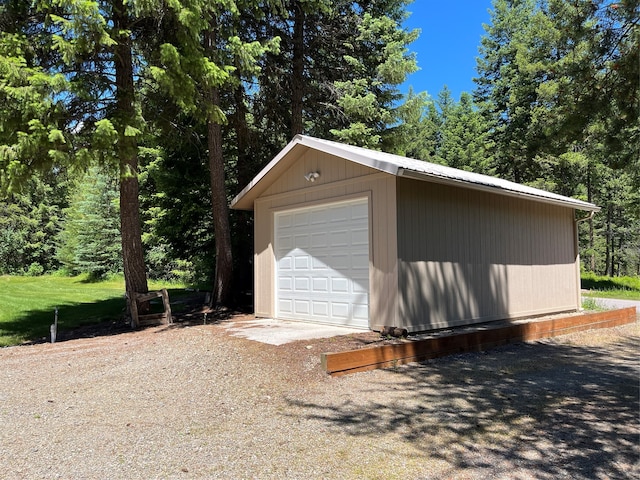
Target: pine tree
464 142
418 133
89 241
378 62
32 107
558 82
88 111
506 92
29 221
195 67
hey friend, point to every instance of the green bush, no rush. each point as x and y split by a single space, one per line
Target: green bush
35 270
63 272
591 304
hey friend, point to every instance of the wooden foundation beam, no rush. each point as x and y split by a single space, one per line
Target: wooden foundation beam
364 359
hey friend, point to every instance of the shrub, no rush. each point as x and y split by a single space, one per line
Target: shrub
591 304
35 270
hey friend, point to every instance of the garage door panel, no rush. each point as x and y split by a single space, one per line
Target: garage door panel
339 238
285 306
340 310
301 240
319 217
302 307
361 311
286 263
301 262
319 240
360 236
302 284
360 212
284 220
360 286
285 243
319 262
320 284
360 262
320 308
340 214
339 285
322 263
300 219
285 283
340 261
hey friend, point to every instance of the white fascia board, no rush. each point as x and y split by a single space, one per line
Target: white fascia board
359 155
237 201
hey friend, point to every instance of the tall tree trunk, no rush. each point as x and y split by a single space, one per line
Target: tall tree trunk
619 257
224 259
592 263
613 257
243 233
608 255
131 230
241 128
297 77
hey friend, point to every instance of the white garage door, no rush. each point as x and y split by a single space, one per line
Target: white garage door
322 263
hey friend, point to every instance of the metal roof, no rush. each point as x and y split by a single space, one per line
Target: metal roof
395 165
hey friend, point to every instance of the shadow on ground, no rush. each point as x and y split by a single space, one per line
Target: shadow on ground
34 325
101 318
545 410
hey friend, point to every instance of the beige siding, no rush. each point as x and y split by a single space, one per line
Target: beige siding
331 169
467 256
339 179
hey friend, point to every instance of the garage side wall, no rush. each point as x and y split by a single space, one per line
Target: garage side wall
339 180
467 256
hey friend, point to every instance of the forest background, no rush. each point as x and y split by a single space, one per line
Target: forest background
127 126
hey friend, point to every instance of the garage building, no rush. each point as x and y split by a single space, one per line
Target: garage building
350 236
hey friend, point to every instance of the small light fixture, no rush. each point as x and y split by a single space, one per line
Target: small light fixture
311 176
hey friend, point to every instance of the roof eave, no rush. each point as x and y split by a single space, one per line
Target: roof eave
568 202
337 150
244 200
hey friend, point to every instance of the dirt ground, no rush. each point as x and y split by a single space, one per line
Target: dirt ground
192 401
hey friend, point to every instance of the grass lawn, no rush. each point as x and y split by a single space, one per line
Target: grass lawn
27 304
621 294
626 288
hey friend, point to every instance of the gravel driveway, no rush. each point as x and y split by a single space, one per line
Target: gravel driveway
196 402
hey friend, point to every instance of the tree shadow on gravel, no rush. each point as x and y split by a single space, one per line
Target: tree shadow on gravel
540 410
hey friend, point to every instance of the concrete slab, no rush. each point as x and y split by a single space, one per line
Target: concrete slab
279 332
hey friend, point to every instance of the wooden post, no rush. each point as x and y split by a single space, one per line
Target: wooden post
167 306
133 308
152 318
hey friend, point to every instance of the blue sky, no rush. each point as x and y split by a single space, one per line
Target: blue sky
448 44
